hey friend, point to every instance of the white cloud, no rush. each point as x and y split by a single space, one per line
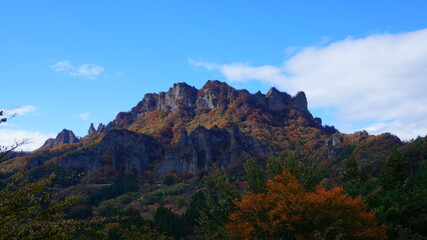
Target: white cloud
84 116
90 71
9 136
24 110
207 65
381 78
62 66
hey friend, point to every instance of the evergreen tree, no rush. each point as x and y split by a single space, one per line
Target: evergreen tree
190 217
306 171
395 173
400 200
255 175
352 178
168 222
220 195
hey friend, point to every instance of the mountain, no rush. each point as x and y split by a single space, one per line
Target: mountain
64 137
179 161
189 130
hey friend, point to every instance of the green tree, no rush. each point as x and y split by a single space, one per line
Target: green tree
274 167
255 175
395 172
128 184
29 210
168 222
219 195
134 233
169 180
400 200
190 217
352 179
307 171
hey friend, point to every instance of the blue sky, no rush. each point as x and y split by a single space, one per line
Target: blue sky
65 64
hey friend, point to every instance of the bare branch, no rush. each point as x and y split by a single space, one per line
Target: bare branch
4 150
5 114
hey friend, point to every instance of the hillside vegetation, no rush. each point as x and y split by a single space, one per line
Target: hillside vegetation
217 163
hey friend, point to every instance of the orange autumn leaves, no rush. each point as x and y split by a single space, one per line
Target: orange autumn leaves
287 211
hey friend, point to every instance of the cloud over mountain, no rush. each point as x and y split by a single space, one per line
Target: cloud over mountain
36 139
376 83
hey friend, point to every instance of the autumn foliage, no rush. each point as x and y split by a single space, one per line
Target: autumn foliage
287 211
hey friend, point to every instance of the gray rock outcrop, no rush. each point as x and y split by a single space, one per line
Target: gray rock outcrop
204 148
132 153
91 130
121 150
65 136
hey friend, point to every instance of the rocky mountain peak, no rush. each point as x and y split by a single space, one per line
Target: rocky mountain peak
277 101
215 84
273 92
101 128
215 94
181 91
300 101
179 97
91 130
187 100
65 136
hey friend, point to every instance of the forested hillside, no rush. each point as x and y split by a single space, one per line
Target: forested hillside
216 163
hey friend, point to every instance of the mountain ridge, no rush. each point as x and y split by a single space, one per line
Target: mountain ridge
189 130
184 98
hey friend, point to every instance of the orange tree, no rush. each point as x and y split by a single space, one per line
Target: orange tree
287 211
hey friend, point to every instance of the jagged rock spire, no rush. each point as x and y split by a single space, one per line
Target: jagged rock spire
91 130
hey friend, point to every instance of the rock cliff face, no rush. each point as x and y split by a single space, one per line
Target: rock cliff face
204 148
65 136
129 152
122 150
